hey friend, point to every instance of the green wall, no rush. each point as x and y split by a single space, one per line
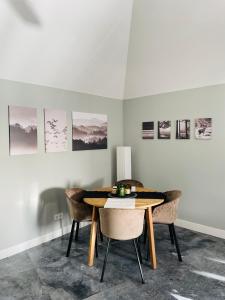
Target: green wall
32 186
197 167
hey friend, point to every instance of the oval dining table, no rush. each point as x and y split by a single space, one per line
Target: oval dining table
146 204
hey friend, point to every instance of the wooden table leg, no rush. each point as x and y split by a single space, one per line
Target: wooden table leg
151 238
91 254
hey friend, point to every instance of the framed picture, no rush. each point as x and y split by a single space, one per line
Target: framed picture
55 130
148 130
22 130
89 131
164 130
183 129
203 128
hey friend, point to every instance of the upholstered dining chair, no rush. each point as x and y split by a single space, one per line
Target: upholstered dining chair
122 224
79 212
131 182
166 213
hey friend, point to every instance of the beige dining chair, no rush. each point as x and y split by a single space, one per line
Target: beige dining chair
166 213
131 182
79 212
122 224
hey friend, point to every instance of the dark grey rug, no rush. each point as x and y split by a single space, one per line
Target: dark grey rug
45 273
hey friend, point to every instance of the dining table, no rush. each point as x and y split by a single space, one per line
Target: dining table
146 204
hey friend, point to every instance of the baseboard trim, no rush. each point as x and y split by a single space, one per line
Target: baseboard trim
220 233
35 242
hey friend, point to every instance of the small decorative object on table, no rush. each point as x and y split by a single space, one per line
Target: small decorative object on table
127 189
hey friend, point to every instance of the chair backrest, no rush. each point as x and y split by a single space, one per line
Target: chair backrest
131 182
121 224
166 213
78 210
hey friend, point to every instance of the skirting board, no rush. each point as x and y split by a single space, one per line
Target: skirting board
220 233
36 241
53 235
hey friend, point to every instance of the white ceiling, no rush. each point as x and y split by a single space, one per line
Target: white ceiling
175 45
78 45
82 45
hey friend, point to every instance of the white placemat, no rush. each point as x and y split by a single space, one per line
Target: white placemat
120 203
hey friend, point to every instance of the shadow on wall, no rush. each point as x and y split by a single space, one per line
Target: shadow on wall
53 201
25 11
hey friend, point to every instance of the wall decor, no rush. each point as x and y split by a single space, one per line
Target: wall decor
55 130
203 128
22 130
183 129
89 131
164 129
147 130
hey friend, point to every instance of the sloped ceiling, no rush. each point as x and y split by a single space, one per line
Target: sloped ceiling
78 45
175 45
82 45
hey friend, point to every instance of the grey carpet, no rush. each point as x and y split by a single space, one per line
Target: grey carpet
44 273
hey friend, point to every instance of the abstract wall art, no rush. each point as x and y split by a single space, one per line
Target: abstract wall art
55 130
203 128
148 130
89 131
22 130
183 129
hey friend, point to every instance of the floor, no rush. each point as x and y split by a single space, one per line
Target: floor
44 273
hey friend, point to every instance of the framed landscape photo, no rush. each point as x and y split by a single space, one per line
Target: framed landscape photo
55 130
164 130
89 131
203 128
183 129
22 130
148 130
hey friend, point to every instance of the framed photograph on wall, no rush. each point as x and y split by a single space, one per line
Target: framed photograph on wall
183 129
164 130
89 131
22 130
148 130
55 130
203 128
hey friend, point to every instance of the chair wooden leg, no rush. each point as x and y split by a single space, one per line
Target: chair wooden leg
105 261
71 239
77 231
171 234
176 243
138 259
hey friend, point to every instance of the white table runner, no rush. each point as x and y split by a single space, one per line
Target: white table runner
120 203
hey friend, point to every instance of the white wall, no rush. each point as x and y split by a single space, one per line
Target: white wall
78 45
175 45
32 186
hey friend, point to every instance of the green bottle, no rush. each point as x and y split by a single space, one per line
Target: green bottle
122 191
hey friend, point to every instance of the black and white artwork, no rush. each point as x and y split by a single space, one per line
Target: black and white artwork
22 130
183 129
164 130
203 128
148 130
55 130
89 131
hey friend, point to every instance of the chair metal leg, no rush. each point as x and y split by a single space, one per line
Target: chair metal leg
105 260
139 250
176 243
171 234
138 259
96 246
71 239
145 231
77 231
